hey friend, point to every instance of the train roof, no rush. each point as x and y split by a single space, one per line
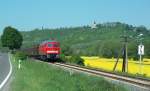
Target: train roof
48 41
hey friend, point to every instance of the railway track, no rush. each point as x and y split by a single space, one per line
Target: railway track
142 83
138 82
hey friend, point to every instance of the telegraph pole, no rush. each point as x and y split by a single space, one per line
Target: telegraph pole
125 54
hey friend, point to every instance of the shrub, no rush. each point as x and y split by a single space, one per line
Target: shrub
62 58
77 60
135 57
20 55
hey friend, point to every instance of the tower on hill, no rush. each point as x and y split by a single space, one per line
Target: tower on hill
94 25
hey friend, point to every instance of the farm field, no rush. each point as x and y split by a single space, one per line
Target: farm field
134 67
39 76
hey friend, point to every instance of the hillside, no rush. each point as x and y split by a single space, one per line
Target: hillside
103 41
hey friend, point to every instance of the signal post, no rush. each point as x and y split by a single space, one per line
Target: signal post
140 53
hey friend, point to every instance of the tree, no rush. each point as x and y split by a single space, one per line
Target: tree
77 60
11 38
141 29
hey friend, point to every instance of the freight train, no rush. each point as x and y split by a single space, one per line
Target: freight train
47 50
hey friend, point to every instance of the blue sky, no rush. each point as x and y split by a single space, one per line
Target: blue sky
30 14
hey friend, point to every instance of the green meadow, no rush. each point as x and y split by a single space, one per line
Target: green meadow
38 76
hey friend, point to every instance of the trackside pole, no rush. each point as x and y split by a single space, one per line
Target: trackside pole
116 64
125 55
19 65
141 64
117 60
140 52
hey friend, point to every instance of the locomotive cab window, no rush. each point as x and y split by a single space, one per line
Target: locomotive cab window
50 45
55 45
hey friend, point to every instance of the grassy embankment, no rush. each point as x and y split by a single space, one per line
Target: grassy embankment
134 67
37 76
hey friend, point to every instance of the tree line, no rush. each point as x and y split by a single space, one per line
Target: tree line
103 41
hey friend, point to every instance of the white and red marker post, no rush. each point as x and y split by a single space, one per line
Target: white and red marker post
140 53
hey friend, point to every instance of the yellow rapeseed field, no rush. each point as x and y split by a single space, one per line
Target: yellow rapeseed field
134 67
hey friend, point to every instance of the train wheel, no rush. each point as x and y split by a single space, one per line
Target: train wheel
43 58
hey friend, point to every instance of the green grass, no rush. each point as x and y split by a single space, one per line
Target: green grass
37 76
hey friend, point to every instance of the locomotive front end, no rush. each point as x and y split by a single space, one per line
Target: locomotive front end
53 50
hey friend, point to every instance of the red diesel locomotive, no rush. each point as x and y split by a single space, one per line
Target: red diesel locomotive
49 50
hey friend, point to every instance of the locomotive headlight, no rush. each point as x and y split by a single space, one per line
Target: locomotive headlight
52 51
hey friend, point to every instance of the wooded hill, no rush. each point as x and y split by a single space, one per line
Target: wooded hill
104 40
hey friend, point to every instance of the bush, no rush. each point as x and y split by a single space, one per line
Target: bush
136 57
77 60
20 55
62 58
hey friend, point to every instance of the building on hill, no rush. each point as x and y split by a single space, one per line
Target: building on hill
94 25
